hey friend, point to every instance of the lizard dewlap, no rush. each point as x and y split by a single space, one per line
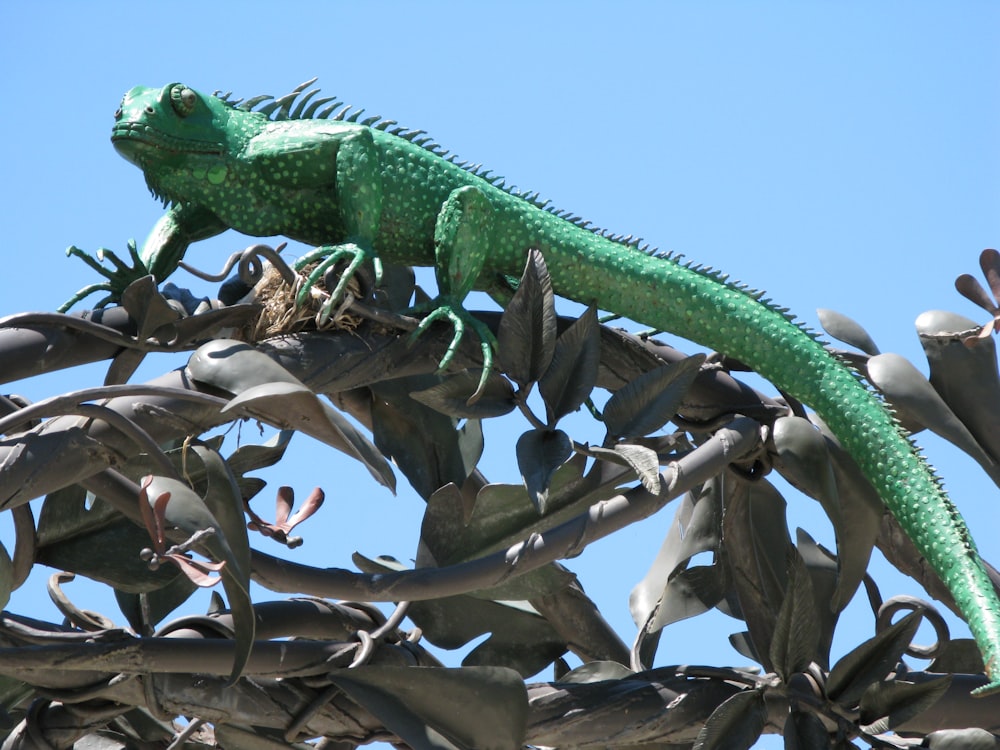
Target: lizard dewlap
314 171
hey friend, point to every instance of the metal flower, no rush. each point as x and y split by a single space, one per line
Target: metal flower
972 290
282 523
200 572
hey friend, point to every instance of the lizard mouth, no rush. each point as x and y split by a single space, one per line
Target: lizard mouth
131 138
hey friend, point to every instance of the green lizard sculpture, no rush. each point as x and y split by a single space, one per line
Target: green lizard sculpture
313 170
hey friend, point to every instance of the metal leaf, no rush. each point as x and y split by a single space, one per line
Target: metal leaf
147 307
862 511
959 655
796 629
846 329
989 262
597 671
234 366
572 373
123 366
97 542
690 592
265 390
886 705
426 445
418 704
144 610
527 333
539 454
451 396
644 461
743 644
909 391
289 405
966 377
647 403
805 731
756 549
519 638
735 725
826 577
695 529
250 457
805 461
6 576
503 515
447 536
871 661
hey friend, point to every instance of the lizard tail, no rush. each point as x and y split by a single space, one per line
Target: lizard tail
705 308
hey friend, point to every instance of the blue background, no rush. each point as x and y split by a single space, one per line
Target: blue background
840 155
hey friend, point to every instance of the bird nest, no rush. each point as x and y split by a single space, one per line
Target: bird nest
281 314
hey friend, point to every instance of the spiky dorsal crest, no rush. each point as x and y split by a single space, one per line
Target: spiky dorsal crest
301 104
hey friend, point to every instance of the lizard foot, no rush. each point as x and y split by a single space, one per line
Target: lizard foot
117 278
990 688
444 308
330 257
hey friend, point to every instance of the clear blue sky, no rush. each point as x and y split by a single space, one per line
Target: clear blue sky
840 155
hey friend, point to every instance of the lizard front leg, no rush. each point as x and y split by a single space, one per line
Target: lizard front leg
461 246
169 239
359 187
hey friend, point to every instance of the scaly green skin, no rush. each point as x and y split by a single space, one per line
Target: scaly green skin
363 190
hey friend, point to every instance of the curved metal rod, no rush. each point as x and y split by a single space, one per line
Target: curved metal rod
251 269
92 622
69 402
96 330
893 605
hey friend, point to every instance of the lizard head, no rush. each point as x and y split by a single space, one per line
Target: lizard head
168 128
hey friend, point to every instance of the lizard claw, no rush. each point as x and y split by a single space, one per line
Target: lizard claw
355 256
461 321
118 278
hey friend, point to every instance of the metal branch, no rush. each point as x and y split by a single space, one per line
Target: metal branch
565 540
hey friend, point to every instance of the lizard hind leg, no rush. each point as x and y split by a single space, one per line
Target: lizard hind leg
359 186
461 246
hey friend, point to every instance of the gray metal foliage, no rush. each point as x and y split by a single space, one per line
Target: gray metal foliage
138 497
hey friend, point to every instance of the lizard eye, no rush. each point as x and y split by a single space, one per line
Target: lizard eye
182 99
